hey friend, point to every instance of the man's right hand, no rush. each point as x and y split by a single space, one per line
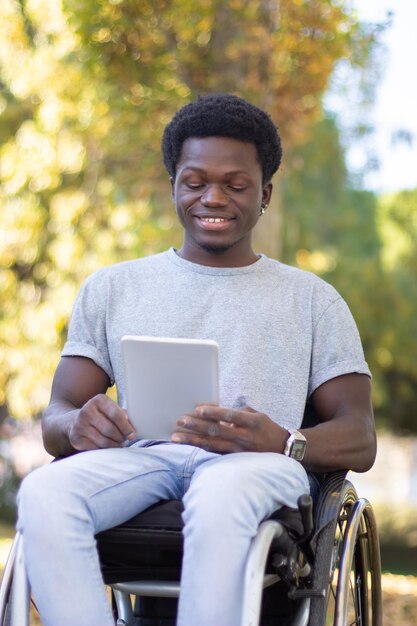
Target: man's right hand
100 423
80 416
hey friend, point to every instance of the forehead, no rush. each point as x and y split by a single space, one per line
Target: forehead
219 153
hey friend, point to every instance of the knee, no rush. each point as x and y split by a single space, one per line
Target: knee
40 492
221 495
29 498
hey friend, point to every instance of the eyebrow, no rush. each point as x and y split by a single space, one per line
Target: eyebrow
200 170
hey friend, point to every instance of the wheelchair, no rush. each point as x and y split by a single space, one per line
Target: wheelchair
318 565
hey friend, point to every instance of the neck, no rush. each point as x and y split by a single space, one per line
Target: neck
217 257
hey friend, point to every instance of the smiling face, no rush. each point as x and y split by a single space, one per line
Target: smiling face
218 192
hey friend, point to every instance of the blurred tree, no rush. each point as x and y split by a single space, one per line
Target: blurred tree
396 349
278 54
366 247
85 90
63 213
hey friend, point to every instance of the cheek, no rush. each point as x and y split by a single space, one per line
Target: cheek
182 205
180 214
184 201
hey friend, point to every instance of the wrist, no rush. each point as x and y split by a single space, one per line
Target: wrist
56 432
295 445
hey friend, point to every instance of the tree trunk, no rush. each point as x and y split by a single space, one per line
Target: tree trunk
268 233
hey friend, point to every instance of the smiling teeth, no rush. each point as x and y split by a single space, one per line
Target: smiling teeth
213 220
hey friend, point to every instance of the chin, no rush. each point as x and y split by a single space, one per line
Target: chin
215 248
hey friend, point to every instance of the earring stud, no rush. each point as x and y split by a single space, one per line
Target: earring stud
263 208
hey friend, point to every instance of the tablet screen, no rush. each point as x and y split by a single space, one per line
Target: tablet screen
165 379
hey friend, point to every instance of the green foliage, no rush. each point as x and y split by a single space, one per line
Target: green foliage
279 54
85 90
366 247
70 196
397 348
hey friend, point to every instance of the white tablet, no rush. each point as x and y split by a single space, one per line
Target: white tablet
165 379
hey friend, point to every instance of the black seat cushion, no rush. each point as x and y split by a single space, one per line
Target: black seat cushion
149 545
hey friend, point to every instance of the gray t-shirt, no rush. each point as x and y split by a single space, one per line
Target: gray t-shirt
282 332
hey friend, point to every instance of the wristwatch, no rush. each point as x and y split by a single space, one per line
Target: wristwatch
296 444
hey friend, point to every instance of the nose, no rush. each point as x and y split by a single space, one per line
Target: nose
213 196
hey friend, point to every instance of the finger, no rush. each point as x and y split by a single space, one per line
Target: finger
248 418
117 416
210 429
98 423
199 426
100 442
211 444
90 439
92 423
107 429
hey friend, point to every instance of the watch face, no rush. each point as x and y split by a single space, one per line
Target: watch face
297 450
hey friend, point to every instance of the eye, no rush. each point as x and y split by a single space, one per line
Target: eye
236 188
195 185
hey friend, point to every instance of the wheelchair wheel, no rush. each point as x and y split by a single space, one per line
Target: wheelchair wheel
17 609
34 618
347 567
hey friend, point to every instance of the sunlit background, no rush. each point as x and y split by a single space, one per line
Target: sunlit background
392 145
85 91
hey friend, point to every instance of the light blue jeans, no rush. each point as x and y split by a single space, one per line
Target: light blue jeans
64 504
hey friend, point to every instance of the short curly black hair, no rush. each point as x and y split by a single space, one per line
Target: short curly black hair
223 115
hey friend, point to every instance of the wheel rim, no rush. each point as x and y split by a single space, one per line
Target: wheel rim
355 605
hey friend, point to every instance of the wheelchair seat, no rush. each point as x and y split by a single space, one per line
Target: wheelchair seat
149 545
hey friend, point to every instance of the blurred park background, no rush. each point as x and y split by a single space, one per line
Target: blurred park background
85 91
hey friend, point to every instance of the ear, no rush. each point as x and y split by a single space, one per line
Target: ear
266 193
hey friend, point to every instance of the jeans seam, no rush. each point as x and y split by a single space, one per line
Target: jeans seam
115 485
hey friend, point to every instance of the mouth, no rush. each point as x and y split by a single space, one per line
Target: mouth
213 222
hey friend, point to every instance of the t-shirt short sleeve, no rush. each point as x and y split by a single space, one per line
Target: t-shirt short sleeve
87 335
336 346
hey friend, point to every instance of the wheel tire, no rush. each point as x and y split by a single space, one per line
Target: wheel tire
364 594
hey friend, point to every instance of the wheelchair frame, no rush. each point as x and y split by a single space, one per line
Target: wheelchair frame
331 572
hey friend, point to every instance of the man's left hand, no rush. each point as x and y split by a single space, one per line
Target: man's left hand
223 430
